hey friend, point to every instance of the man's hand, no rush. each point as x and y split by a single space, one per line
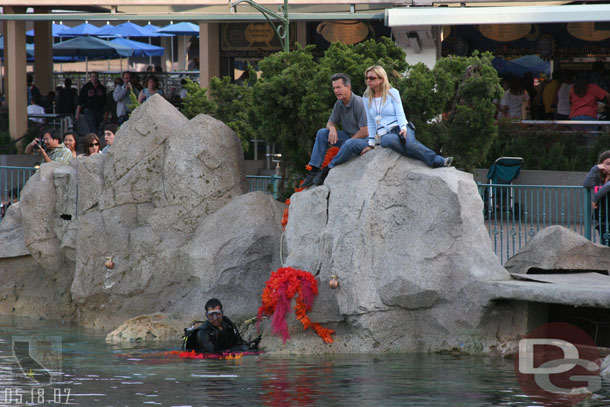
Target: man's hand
403 133
333 137
366 149
29 149
594 205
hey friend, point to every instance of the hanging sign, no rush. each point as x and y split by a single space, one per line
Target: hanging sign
259 33
347 32
251 37
587 32
505 32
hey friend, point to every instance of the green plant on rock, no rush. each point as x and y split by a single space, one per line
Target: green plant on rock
229 102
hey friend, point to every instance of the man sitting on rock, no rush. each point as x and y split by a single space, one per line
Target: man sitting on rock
218 334
51 148
349 111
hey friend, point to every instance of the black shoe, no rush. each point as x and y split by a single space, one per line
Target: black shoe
448 162
309 179
319 179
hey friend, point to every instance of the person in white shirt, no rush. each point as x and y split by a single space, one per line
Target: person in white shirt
121 97
36 109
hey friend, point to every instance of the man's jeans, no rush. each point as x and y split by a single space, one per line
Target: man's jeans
349 147
93 119
411 148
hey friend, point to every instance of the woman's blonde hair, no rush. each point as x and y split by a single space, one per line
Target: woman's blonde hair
385 84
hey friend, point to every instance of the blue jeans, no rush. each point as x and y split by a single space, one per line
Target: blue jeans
587 128
93 119
349 147
411 148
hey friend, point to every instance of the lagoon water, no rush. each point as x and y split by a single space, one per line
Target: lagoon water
98 374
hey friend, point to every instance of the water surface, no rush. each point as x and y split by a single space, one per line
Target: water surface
98 374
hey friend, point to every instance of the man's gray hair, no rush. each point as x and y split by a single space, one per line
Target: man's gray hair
346 80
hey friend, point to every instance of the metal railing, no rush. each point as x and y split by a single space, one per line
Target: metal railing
264 183
12 181
514 214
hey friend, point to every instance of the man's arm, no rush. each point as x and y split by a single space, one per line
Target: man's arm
332 133
119 93
204 344
31 149
362 133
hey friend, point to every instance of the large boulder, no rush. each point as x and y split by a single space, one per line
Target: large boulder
559 248
408 245
154 204
157 327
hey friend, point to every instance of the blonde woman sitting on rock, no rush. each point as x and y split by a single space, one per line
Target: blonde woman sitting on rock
386 118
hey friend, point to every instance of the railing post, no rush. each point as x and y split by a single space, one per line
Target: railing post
275 181
587 213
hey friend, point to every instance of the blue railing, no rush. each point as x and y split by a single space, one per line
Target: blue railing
515 213
12 181
263 183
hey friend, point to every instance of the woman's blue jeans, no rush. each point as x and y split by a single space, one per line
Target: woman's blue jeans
411 147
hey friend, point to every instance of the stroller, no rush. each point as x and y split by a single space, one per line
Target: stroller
503 172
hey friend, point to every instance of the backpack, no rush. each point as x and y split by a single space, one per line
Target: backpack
189 340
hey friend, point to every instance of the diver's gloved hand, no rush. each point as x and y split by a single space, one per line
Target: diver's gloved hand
253 344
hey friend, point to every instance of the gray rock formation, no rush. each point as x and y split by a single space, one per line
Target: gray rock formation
559 248
410 249
167 202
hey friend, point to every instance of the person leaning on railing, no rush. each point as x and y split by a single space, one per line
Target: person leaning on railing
51 148
598 181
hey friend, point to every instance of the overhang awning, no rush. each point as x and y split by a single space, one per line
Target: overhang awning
439 16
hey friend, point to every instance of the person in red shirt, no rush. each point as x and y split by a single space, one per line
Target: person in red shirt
584 97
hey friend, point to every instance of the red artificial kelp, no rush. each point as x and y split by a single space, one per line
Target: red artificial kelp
283 285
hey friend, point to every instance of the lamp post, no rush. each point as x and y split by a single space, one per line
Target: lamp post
283 30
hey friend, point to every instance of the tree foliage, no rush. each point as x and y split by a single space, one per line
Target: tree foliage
450 105
229 102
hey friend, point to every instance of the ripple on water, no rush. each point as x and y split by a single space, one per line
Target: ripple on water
98 374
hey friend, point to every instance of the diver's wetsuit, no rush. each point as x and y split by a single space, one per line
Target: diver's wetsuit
213 340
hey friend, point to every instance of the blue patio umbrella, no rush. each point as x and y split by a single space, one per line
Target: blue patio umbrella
55 30
140 49
90 47
151 28
182 28
79 30
124 30
29 50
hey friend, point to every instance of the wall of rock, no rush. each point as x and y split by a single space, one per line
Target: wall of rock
169 204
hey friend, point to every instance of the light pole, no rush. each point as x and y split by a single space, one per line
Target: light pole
283 30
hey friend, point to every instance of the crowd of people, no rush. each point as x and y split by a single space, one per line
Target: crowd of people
566 96
100 111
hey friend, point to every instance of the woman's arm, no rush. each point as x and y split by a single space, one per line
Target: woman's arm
591 178
602 192
370 121
401 118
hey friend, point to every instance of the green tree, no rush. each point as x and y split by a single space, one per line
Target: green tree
462 90
228 102
278 97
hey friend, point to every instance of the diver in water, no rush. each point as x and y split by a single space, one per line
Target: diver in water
218 334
